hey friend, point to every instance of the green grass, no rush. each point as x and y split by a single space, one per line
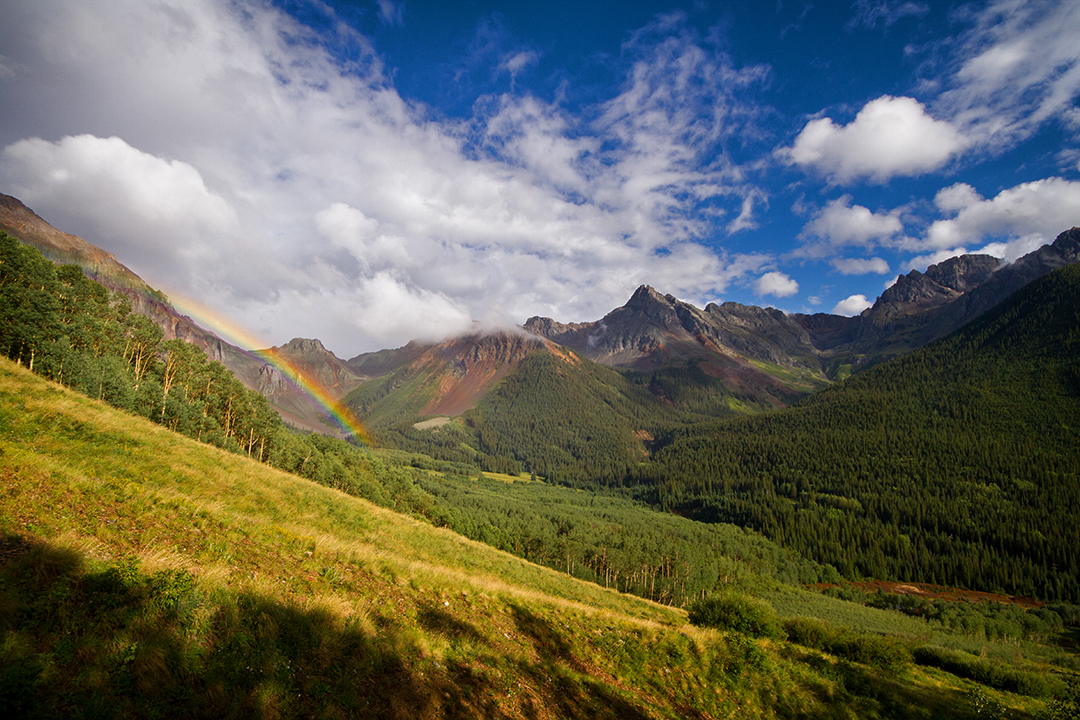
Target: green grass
800 380
143 574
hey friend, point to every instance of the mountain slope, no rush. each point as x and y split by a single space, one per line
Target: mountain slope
958 463
295 406
759 353
443 379
508 402
146 575
922 307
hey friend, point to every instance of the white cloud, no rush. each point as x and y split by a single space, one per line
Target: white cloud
955 198
1043 208
1014 69
840 224
517 62
852 305
668 129
776 284
391 13
746 219
890 137
1014 249
164 205
869 12
235 157
860 266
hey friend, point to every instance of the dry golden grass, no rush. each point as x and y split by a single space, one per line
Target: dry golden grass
308 601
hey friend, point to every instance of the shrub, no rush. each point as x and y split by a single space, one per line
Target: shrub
810 632
737 613
886 653
989 673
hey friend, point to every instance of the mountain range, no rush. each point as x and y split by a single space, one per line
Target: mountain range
745 357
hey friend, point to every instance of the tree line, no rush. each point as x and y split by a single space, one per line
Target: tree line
68 328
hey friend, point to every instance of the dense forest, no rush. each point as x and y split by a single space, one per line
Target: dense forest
957 464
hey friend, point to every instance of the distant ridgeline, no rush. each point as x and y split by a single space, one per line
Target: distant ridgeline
958 464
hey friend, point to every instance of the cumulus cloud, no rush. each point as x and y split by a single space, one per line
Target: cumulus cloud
890 137
955 198
1040 209
224 148
840 224
861 266
164 204
776 284
852 305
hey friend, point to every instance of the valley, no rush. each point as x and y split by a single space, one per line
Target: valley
565 482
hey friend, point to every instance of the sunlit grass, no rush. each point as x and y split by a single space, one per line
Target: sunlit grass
146 574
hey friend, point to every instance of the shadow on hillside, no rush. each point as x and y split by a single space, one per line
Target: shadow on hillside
882 696
574 693
123 643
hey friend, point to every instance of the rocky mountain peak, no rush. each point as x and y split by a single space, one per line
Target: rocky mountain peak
940 283
646 296
304 345
964 272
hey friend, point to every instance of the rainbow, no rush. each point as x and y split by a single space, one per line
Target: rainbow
236 335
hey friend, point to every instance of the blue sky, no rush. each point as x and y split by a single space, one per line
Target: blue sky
377 171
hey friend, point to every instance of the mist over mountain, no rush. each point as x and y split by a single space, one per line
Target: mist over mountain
653 330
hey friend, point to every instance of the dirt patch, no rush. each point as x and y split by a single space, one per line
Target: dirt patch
431 424
937 592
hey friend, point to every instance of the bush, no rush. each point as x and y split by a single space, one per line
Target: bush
810 632
886 653
738 613
988 673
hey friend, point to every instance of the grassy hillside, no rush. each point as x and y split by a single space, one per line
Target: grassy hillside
553 414
958 464
143 574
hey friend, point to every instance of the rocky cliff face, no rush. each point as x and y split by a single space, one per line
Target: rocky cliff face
1007 279
922 307
319 366
452 375
652 330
